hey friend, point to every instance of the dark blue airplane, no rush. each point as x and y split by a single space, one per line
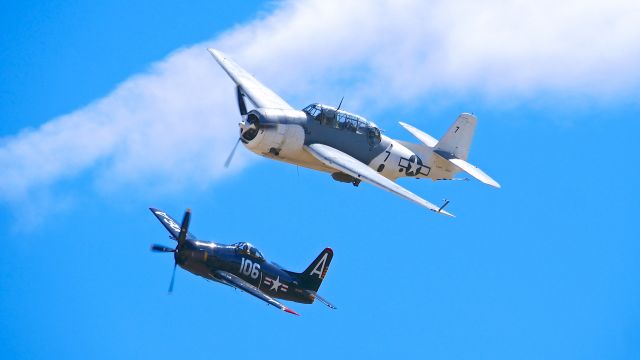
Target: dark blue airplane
243 267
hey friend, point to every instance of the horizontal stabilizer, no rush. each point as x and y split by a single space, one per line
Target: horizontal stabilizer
321 299
420 135
468 168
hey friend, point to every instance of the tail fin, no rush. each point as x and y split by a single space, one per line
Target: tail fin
457 140
452 149
312 277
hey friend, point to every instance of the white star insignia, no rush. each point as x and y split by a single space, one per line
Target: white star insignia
275 284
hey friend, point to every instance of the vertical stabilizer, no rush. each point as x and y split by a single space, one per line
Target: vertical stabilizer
457 140
312 277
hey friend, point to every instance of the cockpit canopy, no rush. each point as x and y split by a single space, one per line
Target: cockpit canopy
246 248
341 119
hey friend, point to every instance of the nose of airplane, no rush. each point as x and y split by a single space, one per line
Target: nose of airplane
178 256
183 255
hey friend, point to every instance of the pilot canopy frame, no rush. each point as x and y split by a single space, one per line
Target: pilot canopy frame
248 249
342 120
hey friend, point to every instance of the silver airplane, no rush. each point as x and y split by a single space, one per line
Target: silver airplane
346 145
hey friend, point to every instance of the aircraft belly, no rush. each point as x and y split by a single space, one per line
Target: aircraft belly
301 158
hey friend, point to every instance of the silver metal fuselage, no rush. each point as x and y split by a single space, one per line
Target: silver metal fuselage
282 135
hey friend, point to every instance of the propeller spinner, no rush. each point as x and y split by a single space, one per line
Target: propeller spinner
249 126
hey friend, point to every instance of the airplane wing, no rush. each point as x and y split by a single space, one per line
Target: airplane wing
170 224
260 95
238 283
347 164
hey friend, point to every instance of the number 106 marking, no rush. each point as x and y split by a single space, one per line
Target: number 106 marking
248 267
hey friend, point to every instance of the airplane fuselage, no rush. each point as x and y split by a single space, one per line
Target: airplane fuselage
283 134
205 258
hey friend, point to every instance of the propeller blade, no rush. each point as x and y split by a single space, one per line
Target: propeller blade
226 163
242 106
173 277
161 248
184 228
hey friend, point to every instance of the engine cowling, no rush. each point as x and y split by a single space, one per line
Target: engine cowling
274 132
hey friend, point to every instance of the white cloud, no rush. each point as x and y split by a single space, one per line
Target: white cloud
172 121
400 50
180 117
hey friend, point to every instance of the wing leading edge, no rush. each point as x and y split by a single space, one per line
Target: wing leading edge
421 135
172 226
349 165
260 95
236 282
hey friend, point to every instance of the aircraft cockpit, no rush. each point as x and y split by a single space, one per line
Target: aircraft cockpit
342 120
246 248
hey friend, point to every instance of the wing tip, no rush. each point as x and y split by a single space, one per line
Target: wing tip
217 54
406 126
441 210
286 309
446 213
488 180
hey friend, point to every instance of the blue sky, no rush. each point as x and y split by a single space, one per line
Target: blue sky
109 109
